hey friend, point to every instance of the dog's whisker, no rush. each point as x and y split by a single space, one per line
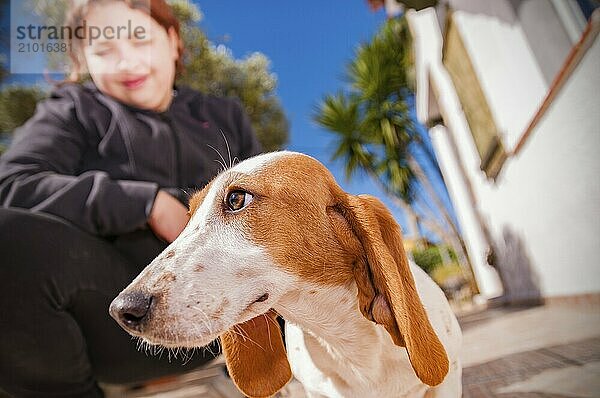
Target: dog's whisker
268 330
272 320
222 162
219 346
187 356
138 342
223 167
205 321
210 350
160 351
227 145
244 339
206 349
240 332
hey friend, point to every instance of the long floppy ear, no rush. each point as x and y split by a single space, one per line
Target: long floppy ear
255 356
387 293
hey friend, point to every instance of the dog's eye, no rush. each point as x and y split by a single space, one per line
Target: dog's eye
237 200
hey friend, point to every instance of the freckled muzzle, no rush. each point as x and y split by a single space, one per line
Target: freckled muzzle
131 310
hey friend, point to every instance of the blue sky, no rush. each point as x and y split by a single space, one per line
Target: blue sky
309 44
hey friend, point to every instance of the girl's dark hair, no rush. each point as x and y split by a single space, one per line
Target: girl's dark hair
159 10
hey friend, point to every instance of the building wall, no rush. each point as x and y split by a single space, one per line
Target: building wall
548 196
546 34
508 73
543 210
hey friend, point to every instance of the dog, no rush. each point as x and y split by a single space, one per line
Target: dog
275 234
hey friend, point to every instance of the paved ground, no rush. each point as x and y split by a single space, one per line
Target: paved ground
568 370
550 351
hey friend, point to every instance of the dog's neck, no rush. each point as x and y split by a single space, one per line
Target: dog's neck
352 346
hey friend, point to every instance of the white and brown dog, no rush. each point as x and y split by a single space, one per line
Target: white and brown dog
274 235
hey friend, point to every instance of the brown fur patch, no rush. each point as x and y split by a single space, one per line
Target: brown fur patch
387 291
256 357
290 219
197 199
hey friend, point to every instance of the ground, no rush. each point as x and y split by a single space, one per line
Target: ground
550 351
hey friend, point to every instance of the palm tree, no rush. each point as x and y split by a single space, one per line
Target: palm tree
341 115
376 133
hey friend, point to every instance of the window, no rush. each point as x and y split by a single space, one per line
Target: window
475 106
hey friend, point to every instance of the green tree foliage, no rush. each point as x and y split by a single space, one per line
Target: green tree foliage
213 69
17 104
207 67
371 121
430 258
375 130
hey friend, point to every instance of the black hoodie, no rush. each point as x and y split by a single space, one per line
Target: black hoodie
98 163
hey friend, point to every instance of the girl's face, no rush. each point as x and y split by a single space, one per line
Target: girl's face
133 59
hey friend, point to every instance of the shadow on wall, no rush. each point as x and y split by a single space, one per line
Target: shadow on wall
519 278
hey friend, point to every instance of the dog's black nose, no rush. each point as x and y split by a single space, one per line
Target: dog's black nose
130 309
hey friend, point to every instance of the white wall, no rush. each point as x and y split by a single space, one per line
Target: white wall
506 68
544 210
550 193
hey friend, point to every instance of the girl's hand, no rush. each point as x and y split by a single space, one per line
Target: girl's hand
168 217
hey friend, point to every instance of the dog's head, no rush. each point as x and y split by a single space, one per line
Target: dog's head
256 231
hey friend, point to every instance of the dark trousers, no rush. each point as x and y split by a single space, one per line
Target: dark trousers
56 283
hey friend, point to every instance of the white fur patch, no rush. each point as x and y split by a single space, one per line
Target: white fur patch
254 164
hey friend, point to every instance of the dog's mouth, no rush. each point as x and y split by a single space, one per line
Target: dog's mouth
262 298
171 337
190 333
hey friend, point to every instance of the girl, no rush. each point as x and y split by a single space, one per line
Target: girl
92 187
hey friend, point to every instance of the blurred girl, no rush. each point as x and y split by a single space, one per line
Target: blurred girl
92 188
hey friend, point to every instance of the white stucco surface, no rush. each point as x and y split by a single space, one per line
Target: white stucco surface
550 192
506 69
546 202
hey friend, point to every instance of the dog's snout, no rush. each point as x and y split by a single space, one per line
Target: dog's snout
131 309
